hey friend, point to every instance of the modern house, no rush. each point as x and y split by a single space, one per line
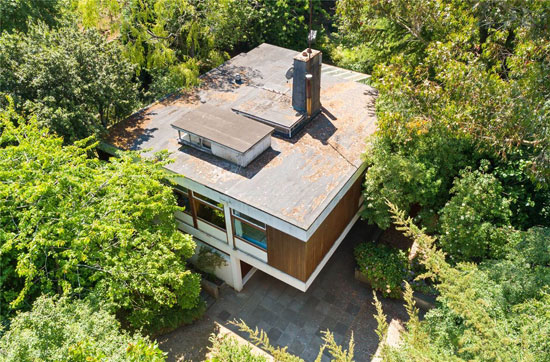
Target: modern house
269 149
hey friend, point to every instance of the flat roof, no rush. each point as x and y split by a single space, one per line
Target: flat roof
222 126
269 106
297 178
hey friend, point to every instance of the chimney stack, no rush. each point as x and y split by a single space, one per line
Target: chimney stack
306 85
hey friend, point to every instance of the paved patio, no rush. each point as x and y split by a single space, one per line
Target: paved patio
335 301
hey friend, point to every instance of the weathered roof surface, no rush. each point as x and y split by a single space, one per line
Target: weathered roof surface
221 126
269 106
295 179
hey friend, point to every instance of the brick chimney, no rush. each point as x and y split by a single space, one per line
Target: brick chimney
306 85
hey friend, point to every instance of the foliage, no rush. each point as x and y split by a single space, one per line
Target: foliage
169 41
371 33
72 224
227 349
457 82
167 318
58 329
418 174
384 267
15 15
172 41
208 260
529 203
74 81
475 223
260 338
475 68
479 317
283 23
381 324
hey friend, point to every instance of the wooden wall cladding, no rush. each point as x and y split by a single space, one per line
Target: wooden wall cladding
324 237
299 259
286 253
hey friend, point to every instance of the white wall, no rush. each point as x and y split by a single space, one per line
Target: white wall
211 230
251 250
241 159
255 151
223 272
226 153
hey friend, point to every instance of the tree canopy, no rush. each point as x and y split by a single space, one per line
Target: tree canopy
458 82
496 310
15 15
59 329
462 148
72 224
75 82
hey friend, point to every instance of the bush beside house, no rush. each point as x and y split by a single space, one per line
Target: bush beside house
384 267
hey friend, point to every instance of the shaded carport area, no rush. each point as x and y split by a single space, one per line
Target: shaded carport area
335 301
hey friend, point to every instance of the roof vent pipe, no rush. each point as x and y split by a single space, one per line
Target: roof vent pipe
309 77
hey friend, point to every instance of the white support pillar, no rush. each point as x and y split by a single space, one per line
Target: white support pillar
228 225
233 260
236 273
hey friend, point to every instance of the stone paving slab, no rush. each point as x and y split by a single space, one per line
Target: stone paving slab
335 301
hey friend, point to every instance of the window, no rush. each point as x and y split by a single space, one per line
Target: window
250 230
206 144
196 140
182 197
209 210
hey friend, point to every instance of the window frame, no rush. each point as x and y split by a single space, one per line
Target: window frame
207 204
252 223
249 223
187 194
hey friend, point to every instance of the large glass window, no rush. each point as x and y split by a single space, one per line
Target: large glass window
209 210
250 230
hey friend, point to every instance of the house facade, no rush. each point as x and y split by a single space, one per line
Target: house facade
267 160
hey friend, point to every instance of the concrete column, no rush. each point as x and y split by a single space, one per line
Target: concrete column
228 224
234 262
236 272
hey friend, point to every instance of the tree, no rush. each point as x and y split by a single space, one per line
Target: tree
16 14
458 82
493 311
476 68
168 41
475 223
58 329
75 82
72 224
172 41
415 174
225 348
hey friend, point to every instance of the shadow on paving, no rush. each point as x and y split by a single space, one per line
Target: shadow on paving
335 301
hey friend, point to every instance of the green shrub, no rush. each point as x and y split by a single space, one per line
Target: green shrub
383 266
169 318
58 329
227 349
418 173
475 223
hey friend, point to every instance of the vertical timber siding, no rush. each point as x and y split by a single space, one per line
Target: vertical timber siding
299 259
286 253
332 227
